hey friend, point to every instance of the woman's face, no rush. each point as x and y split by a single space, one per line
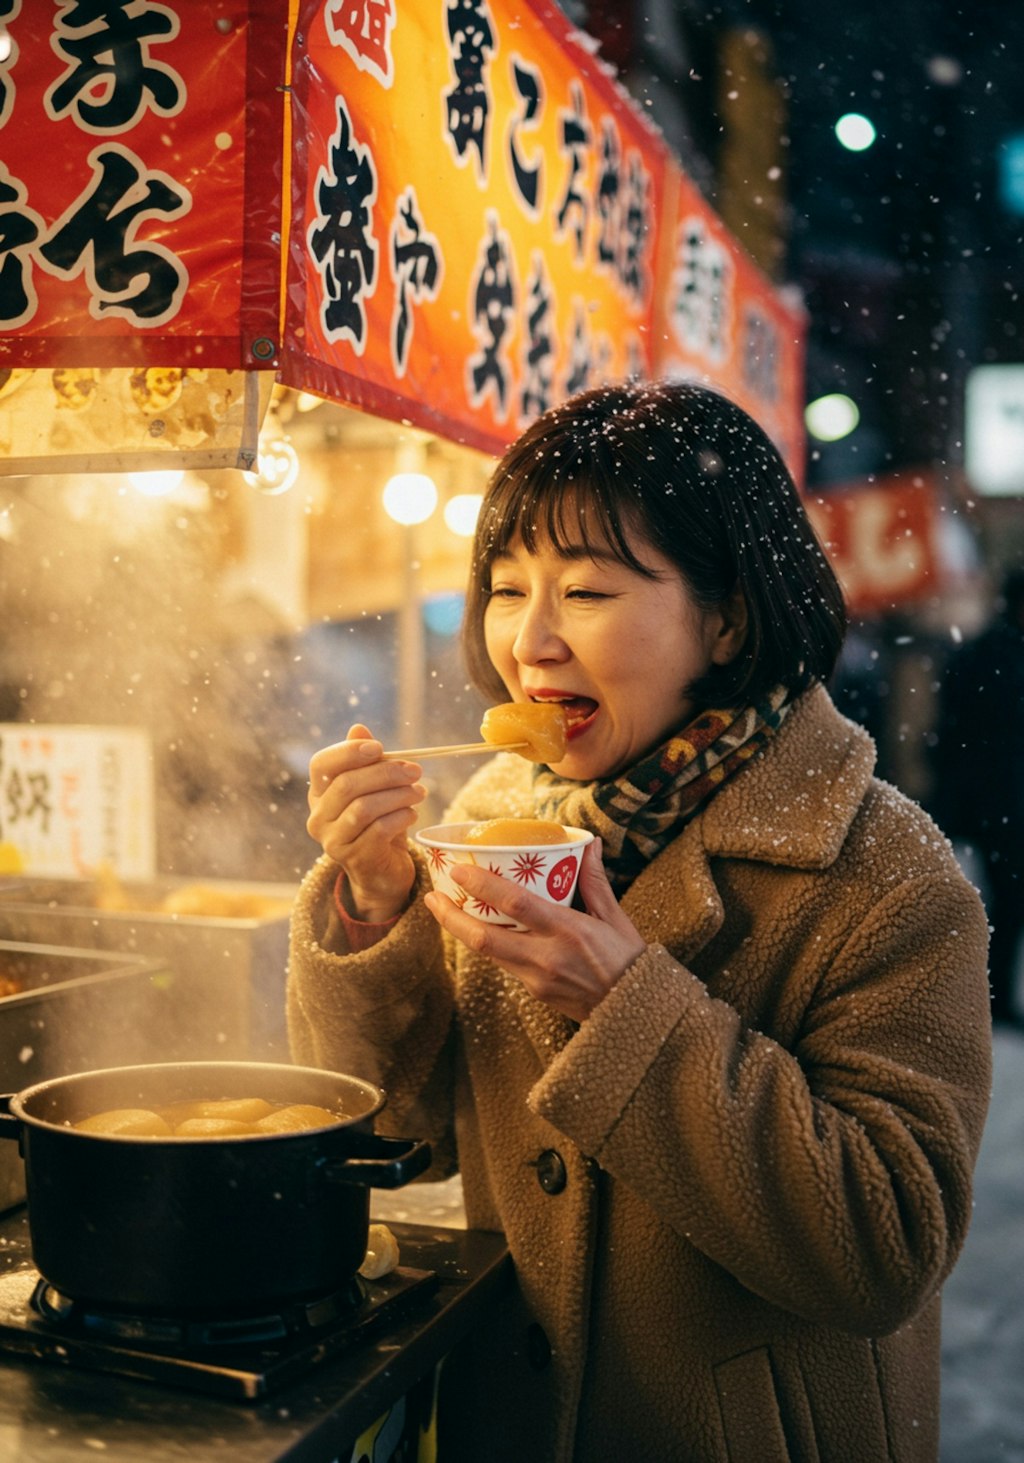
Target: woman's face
616 648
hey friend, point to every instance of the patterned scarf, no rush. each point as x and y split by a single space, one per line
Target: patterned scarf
637 814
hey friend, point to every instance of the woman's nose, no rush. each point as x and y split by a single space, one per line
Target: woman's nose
537 638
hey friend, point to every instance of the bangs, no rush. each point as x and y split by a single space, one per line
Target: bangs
565 505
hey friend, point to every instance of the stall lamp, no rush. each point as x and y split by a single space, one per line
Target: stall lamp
277 467
410 497
462 512
831 417
158 484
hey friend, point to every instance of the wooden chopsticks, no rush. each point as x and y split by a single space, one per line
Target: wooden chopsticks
416 754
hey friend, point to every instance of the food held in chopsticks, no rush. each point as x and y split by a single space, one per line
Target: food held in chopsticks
537 729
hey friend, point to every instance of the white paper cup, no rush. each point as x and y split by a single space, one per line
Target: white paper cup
549 870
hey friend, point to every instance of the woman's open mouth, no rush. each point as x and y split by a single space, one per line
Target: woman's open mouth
580 712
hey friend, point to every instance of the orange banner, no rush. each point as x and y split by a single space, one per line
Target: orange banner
140 183
478 221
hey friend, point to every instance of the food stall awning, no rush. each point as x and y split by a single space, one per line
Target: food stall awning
140 218
447 215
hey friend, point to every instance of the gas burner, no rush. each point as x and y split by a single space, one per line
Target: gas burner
188 1332
237 1357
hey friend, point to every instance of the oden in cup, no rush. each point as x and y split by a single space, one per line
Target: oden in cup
548 869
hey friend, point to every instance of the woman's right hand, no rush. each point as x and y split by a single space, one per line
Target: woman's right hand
360 809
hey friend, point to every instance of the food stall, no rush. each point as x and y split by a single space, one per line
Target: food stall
290 276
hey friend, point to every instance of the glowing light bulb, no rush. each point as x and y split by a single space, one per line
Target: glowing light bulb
410 497
462 512
156 484
277 467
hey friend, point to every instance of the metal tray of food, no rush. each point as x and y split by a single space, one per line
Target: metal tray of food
66 1010
224 945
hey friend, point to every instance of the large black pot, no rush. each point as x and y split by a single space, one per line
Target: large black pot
213 1226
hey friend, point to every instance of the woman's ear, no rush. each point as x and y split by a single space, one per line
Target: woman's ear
731 633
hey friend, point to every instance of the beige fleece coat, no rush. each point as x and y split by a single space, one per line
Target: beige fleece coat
766 1130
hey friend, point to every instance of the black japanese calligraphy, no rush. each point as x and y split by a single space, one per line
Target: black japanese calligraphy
607 197
539 350
20 227
468 103
493 299
526 176
636 222
575 138
416 268
143 283
701 285
362 29
25 798
624 214
111 78
341 238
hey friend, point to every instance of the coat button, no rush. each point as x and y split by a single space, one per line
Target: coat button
538 1347
551 1173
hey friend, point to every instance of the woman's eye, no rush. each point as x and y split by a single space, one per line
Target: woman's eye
503 591
585 594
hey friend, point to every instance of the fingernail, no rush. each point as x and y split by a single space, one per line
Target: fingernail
369 751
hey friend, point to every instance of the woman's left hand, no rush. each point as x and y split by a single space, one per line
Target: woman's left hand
567 958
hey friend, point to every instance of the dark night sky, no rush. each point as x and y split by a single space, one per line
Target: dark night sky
912 266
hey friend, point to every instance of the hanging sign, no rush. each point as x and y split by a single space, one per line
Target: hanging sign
882 539
721 321
475 219
483 224
140 183
75 800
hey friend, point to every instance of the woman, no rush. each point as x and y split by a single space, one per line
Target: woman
726 1109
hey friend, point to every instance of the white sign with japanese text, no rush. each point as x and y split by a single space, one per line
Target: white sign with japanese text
76 799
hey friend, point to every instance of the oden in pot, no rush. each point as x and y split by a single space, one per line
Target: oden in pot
207 1226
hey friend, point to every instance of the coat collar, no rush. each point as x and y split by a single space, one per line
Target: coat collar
794 804
791 807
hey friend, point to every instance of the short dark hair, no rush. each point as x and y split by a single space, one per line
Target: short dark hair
700 481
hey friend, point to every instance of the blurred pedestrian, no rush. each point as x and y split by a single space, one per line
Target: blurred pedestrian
979 766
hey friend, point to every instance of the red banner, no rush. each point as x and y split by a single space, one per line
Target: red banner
140 183
882 538
483 224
